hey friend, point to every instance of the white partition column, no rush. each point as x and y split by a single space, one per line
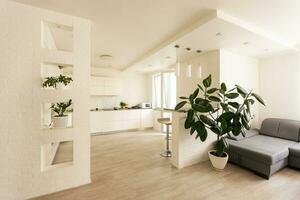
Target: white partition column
27 147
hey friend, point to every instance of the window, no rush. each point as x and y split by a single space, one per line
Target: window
164 90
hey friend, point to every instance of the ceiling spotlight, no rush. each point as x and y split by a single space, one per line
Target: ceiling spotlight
177 46
168 57
188 49
149 65
245 43
198 51
105 57
219 34
266 49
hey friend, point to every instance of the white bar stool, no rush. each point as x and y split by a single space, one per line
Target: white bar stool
168 123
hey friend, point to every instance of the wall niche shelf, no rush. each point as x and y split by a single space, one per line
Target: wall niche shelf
48 119
56 155
57 36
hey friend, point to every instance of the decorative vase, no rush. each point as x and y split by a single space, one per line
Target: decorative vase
60 121
218 163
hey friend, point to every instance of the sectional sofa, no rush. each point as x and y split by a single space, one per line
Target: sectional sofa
265 151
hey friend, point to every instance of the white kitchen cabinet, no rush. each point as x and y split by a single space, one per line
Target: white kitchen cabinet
147 118
107 86
118 120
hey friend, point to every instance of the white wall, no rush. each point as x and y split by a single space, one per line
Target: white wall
134 89
186 150
241 70
21 99
280 86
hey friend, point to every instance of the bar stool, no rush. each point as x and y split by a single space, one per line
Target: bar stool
168 123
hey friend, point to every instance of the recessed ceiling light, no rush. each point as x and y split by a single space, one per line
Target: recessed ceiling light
198 51
219 34
266 49
149 65
168 57
188 49
245 43
105 57
177 46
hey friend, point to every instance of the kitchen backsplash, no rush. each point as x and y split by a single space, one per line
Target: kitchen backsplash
104 102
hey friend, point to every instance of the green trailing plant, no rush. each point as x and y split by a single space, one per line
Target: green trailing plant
60 108
52 81
123 104
220 110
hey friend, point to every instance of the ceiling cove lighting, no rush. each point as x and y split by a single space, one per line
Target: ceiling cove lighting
178 69
189 71
199 71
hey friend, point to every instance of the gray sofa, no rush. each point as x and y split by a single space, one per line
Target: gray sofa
265 151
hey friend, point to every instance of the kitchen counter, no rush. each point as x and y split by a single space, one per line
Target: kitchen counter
103 110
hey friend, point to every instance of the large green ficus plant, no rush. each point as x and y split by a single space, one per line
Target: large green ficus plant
218 110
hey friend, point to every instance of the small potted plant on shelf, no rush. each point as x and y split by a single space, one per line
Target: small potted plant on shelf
57 81
60 119
219 111
123 105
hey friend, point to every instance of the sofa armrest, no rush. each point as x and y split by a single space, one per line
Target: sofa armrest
249 133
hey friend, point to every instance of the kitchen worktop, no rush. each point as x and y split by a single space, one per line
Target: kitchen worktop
103 110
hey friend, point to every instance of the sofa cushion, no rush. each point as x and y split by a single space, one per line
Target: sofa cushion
289 129
295 150
270 127
249 133
261 148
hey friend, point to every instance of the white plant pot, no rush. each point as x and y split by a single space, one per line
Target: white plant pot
218 163
60 121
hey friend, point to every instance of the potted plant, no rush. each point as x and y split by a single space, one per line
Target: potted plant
123 105
60 119
57 81
221 111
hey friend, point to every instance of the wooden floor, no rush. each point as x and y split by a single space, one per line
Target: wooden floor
128 166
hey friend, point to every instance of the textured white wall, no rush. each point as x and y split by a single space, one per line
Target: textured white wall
240 70
21 98
280 86
186 150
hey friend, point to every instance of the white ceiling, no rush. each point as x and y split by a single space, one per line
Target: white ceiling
131 29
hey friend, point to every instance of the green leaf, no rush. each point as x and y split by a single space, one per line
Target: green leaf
223 87
223 124
259 99
224 107
227 116
183 98
195 94
237 129
193 128
232 95
201 108
241 90
234 104
203 102
207 82
251 101
202 133
216 129
199 86
248 107
245 123
189 119
180 105
214 98
212 90
207 120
